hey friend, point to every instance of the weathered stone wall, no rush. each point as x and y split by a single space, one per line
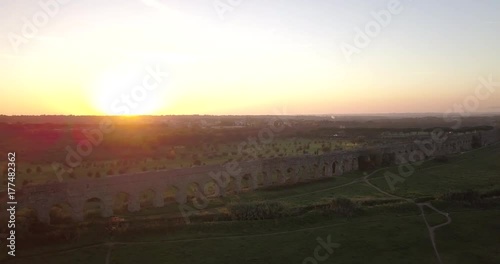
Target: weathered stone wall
256 174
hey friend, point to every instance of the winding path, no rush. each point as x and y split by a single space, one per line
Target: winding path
432 229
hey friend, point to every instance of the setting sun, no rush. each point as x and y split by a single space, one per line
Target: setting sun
222 131
131 88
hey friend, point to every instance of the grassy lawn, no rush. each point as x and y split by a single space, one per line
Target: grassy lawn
478 170
380 238
391 233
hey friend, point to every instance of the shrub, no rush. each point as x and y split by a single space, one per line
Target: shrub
471 197
375 202
257 210
342 206
492 193
424 199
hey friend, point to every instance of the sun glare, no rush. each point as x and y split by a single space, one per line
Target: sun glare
128 89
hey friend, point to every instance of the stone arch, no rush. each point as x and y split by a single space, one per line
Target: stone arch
334 167
324 170
247 182
305 172
93 208
233 186
260 177
121 202
388 158
193 190
169 194
302 173
278 177
347 165
60 213
339 167
291 175
315 170
355 164
211 189
267 178
25 217
148 198
365 162
376 159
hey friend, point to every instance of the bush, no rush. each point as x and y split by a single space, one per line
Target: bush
257 210
471 197
375 202
424 199
342 206
492 193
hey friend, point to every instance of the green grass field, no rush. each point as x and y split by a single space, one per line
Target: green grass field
385 233
478 170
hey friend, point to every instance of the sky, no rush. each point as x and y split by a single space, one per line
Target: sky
162 57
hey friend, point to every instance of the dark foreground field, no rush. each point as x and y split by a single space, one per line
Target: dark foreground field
387 226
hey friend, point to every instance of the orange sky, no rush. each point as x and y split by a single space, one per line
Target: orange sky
168 59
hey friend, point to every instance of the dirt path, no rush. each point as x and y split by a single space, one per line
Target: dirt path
108 255
431 229
421 206
365 179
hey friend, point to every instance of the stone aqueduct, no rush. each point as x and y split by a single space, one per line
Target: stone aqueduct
257 174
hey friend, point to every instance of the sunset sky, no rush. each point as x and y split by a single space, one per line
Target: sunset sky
258 57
